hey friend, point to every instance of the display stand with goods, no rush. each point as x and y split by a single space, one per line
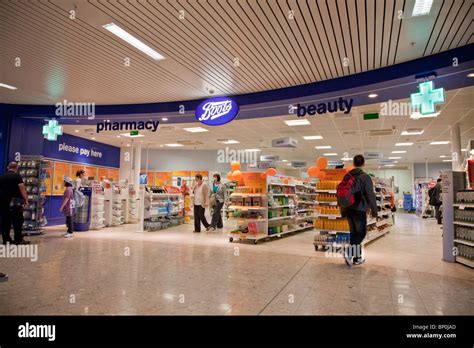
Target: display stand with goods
306 201
464 227
163 208
133 205
33 170
97 206
422 199
265 206
82 218
114 212
332 229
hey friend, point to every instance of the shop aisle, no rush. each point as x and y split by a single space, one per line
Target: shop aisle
174 271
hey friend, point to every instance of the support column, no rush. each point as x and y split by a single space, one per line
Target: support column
125 163
456 147
137 159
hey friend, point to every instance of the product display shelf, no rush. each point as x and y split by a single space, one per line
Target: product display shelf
113 204
133 205
162 210
328 221
98 207
280 209
33 170
464 227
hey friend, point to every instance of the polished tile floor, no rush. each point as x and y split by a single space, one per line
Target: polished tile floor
121 271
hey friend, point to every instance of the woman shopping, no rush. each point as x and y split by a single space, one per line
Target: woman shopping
217 202
201 202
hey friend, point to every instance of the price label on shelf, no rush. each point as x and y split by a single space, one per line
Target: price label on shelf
332 217
462 207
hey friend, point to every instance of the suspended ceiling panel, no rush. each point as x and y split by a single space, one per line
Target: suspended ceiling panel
230 47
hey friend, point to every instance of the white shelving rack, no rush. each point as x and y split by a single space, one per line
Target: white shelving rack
97 207
162 210
115 204
133 209
464 227
278 215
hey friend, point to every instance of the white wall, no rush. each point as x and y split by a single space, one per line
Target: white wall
169 160
403 178
434 169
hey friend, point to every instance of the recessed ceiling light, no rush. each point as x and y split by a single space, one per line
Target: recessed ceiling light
132 40
93 138
464 150
394 157
417 115
422 7
413 132
312 137
174 145
4 85
195 129
330 154
399 151
439 142
283 161
164 119
346 159
303 122
322 147
128 135
128 145
253 150
231 142
448 160
373 95
444 156
389 165
395 161
76 130
288 164
470 75
403 144
118 136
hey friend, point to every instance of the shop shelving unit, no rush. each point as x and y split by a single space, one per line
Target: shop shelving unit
333 230
33 170
162 210
422 198
97 207
114 204
277 215
464 227
132 205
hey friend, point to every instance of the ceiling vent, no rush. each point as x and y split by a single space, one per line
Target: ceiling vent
189 142
348 133
381 132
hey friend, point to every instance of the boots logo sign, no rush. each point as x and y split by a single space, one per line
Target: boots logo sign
217 111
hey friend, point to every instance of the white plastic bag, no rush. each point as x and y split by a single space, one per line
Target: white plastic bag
207 214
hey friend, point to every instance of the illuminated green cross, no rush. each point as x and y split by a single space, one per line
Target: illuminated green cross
427 98
52 130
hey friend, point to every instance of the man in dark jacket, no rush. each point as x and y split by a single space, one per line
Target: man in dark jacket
435 200
357 213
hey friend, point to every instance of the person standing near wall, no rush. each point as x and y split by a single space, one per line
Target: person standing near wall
435 200
68 206
201 202
80 174
218 193
13 198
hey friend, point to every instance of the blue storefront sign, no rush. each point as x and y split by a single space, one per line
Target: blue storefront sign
76 149
217 111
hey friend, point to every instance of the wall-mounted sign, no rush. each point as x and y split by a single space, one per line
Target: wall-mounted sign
217 111
74 149
152 126
427 98
341 105
52 129
371 116
263 165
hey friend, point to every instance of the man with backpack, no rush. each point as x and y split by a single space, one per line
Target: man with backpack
435 200
355 195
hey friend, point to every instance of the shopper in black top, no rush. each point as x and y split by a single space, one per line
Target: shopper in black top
435 200
13 198
357 213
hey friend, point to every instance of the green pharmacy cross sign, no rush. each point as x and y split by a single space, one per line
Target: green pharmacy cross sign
52 130
427 98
